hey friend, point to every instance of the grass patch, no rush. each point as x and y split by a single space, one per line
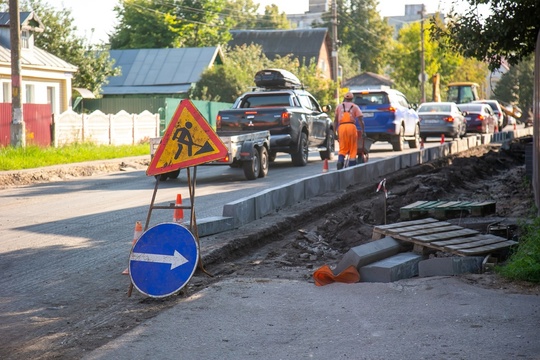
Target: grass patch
524 262
34 157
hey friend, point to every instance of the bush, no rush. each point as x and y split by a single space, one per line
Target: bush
524 262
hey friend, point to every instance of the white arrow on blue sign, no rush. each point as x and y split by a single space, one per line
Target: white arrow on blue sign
163 260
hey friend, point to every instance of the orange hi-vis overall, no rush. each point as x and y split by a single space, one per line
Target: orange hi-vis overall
348 135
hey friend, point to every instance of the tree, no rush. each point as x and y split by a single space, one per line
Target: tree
361 28
272 19
150 24
143 25
516 86
93 62
509 32
228 81
405 67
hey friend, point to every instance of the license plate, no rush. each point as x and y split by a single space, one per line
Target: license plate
431 121
367 114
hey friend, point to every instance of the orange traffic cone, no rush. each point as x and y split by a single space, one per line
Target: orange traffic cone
178 213
136 235
325 166
442 138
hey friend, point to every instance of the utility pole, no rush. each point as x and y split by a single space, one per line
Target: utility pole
422 60
17 130
335 64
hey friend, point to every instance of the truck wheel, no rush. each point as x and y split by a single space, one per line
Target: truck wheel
398 140
415 143
330 145
300 157
263 153
252 168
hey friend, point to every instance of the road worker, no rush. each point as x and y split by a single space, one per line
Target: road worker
347 117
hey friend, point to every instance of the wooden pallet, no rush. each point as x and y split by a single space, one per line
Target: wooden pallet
438 235
446 209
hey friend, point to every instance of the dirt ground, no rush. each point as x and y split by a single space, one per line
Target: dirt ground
320 231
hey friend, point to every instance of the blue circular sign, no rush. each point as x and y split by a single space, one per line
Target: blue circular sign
163 259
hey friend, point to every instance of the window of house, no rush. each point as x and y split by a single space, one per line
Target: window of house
29 97
25 39
51 98
6 92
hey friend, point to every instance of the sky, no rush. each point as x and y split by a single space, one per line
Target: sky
96 19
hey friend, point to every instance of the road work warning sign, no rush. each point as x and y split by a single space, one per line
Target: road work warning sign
188 141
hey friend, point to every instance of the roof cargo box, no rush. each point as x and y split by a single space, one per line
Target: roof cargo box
276 78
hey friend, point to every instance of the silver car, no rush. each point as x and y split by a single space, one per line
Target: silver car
438 118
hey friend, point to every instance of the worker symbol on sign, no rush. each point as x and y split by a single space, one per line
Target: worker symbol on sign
185 140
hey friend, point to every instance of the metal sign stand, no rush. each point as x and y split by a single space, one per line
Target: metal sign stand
192 223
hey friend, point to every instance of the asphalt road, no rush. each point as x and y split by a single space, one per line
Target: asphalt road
64 244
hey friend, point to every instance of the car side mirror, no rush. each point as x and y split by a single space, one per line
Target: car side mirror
327 108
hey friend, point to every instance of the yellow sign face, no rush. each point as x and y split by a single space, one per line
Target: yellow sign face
188 141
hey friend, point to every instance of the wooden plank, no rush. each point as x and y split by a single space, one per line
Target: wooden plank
488 248
427 231
413 205
449 204
478 241
404 229
436 237
405 223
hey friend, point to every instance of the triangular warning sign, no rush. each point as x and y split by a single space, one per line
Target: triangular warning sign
188 141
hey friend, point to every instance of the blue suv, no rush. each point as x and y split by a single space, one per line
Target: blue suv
388 116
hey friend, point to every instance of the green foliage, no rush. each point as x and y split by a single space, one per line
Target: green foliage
405 64
29 157
350 66
272 19
517 85
228 81
361 28
524 263
143 25
93 63
509 32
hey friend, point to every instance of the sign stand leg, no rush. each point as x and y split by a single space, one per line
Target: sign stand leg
193 221
130 289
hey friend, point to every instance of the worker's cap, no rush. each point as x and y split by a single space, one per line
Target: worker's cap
349 96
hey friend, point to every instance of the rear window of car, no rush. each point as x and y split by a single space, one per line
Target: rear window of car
434 108
266 100
470 107
371 99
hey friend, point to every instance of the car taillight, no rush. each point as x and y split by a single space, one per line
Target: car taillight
480 117
449 119
285 118
218 122
390 109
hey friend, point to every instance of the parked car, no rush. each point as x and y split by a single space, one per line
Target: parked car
438 118
502 119
388 116
480 118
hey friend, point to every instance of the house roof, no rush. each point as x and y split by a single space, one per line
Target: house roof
160 71
304 44
28 21
36 58
367 79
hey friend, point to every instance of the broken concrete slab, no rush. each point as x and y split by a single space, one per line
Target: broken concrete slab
394 268
368 253
450 266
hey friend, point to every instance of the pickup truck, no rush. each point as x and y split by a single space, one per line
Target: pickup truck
248 151
296 121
